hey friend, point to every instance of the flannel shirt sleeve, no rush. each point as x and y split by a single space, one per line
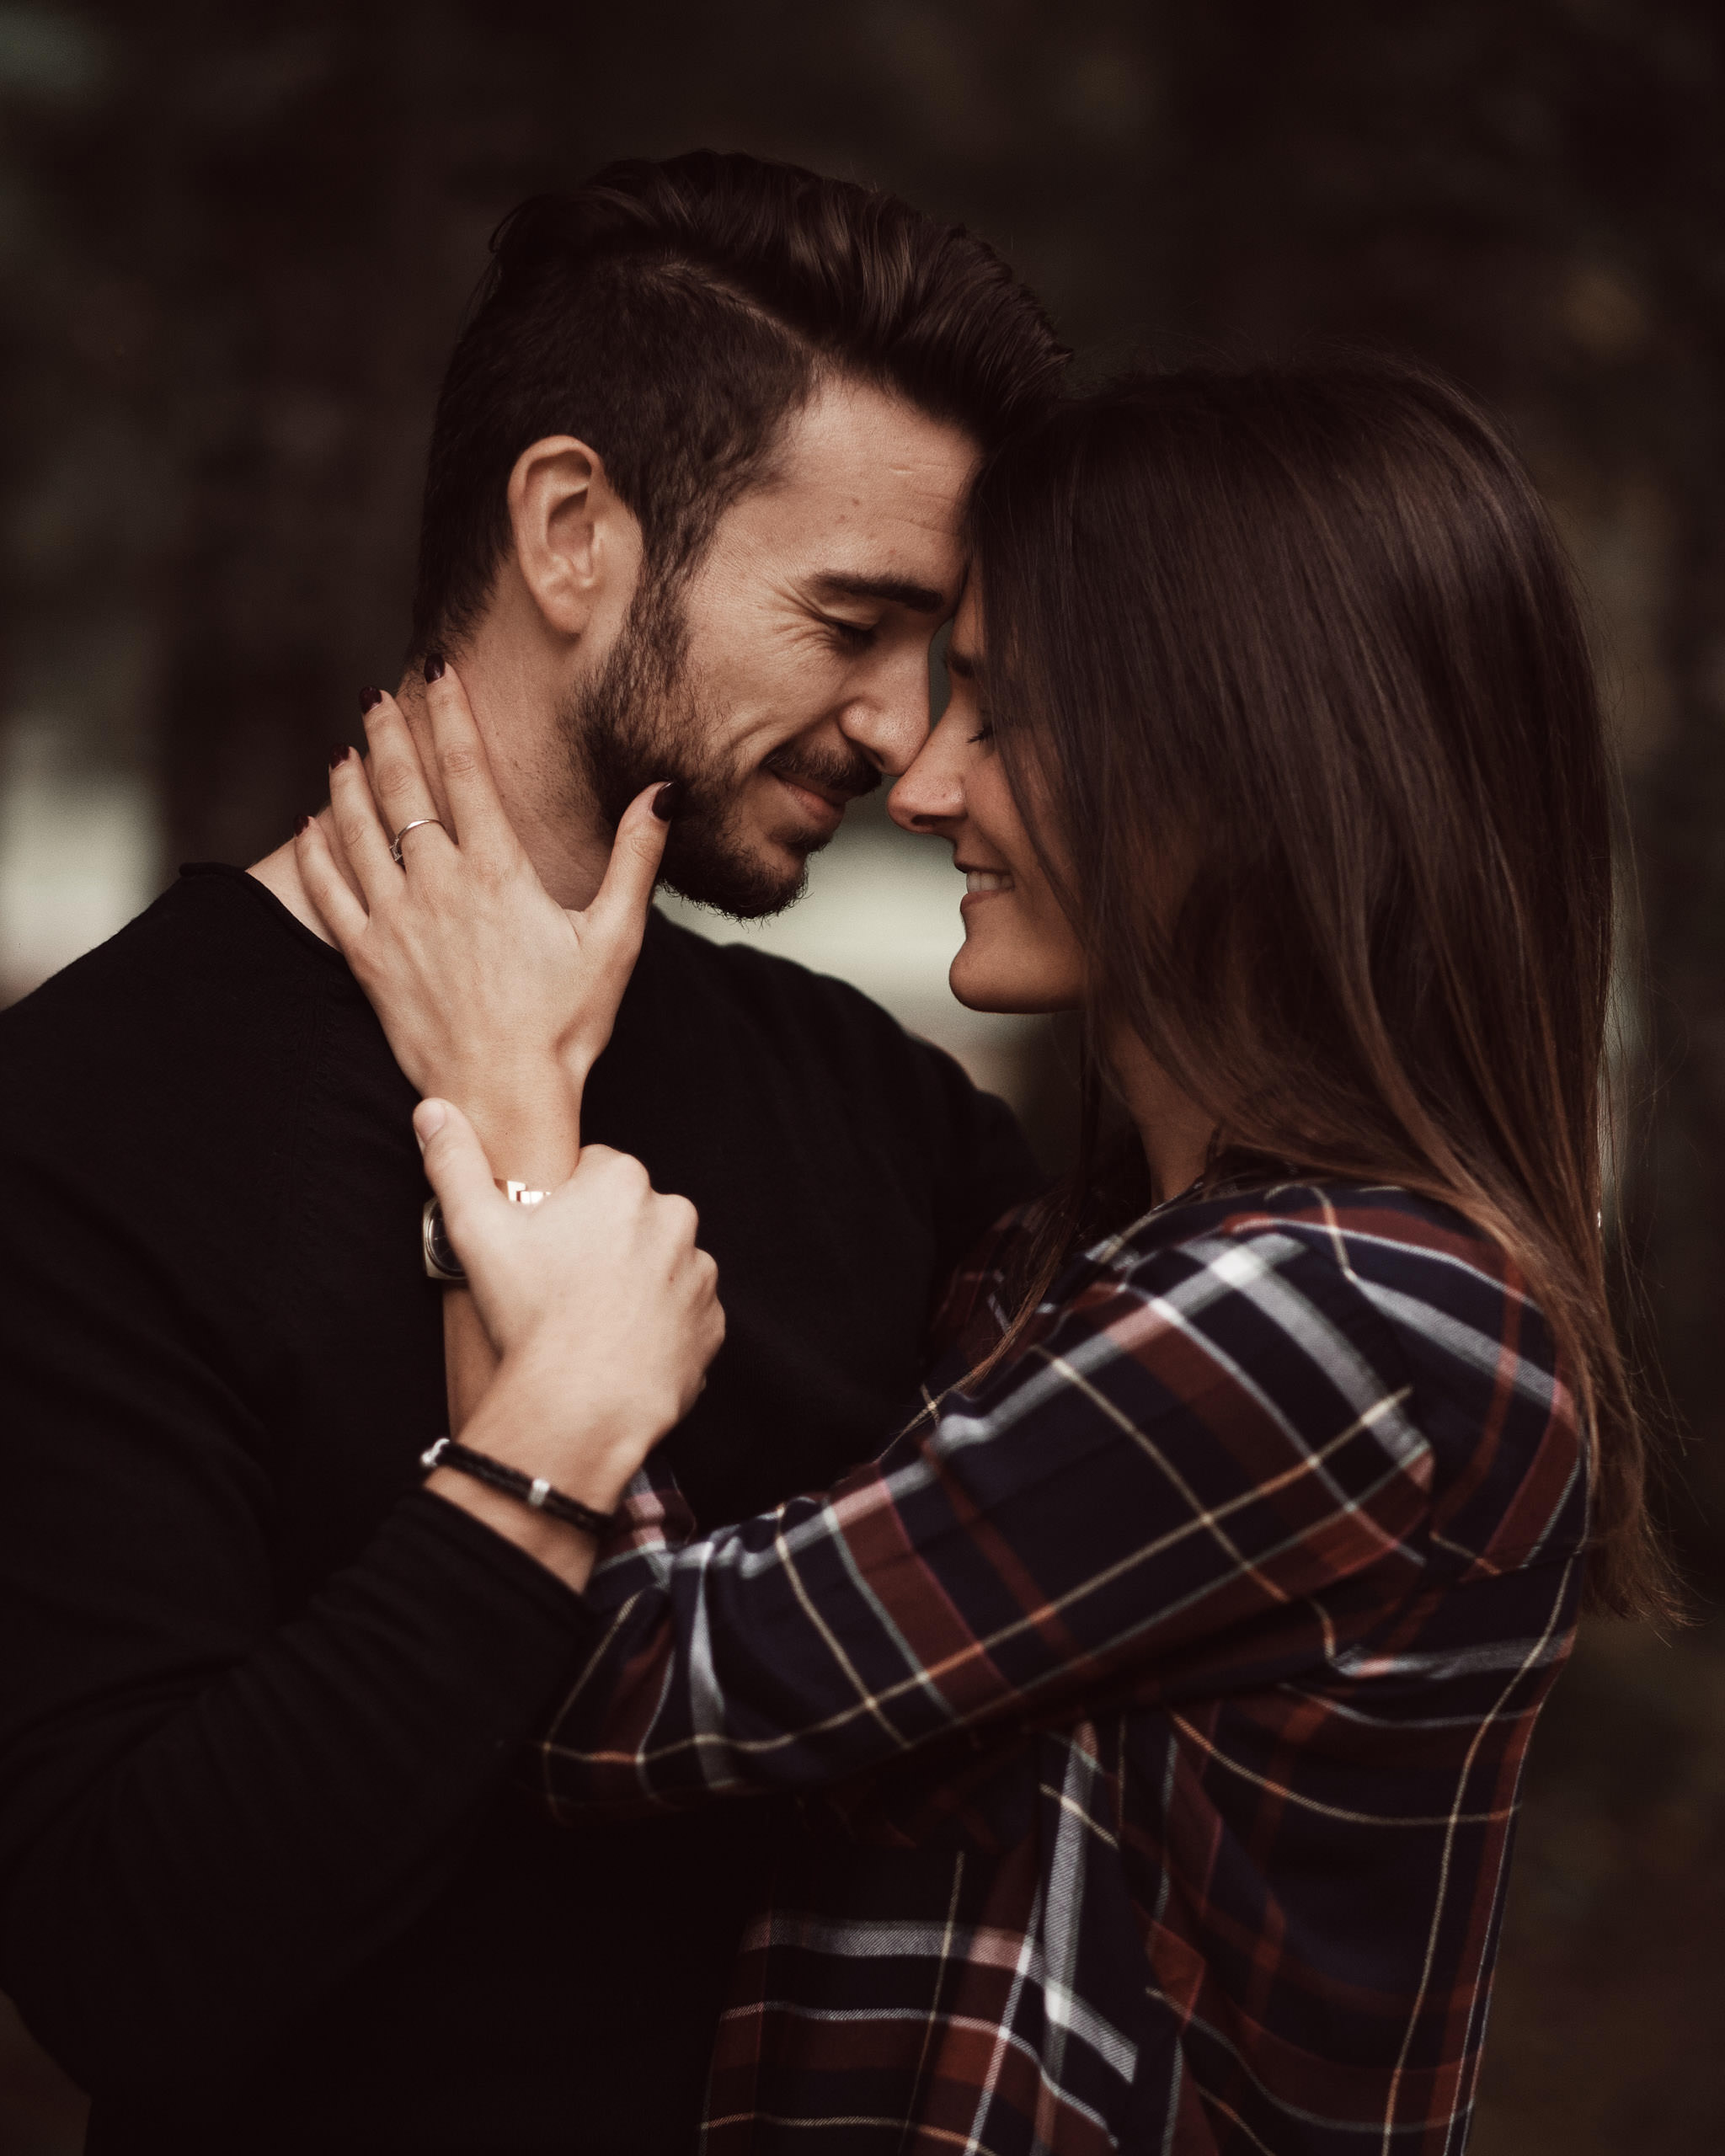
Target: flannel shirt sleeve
1212 1433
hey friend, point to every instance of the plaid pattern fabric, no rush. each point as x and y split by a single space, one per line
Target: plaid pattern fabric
1155 1708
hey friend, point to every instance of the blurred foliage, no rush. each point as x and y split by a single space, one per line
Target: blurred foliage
236 241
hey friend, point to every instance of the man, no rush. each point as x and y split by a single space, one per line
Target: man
267 1877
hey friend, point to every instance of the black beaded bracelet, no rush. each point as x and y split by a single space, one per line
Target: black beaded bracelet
532 1489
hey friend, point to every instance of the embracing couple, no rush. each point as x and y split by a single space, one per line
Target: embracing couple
745 1616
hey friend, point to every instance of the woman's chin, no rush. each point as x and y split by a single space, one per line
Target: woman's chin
979 988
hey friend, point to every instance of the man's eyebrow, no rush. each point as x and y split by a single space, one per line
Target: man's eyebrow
896 590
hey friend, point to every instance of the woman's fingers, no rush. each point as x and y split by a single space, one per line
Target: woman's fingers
456 1167
363 839
482 828
339 910
399 786
618 913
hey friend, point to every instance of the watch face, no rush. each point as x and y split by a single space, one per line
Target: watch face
441 1262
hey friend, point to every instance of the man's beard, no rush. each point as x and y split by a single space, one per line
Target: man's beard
642 718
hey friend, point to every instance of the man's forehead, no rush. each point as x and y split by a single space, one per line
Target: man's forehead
865 500
878 450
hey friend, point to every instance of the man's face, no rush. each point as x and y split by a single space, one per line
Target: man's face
791 669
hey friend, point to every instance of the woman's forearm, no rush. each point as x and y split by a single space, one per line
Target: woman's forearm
1095 1520
530 1128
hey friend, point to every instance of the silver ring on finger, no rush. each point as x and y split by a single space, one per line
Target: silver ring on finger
395 843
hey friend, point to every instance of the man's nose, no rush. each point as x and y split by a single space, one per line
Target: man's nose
931 791
891 725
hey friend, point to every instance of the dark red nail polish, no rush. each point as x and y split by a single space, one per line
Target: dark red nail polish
667 800
368 697
338 755
302 823
434 665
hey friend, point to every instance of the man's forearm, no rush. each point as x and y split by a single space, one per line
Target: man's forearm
226 1867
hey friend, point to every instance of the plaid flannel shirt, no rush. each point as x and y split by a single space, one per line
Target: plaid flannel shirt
1155 1708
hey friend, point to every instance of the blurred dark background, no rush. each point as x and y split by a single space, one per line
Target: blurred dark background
236 241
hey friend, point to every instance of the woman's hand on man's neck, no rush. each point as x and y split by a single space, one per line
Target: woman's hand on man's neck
561 833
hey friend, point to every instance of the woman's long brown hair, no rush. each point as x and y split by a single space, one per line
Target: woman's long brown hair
1292 687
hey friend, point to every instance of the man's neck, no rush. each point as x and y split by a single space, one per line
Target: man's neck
560 830
516 701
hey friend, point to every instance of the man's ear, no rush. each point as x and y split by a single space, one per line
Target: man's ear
578 546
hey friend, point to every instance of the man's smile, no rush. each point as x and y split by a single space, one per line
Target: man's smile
821 783
825 810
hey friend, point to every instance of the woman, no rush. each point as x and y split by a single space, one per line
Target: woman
1157 1697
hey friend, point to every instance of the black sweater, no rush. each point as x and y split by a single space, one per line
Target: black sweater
270 1872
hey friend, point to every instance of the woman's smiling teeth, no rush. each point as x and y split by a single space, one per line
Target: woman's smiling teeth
985 879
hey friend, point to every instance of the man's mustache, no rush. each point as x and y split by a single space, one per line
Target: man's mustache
841 777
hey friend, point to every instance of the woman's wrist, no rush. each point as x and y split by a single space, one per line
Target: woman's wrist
529 1122
532 1426
530 1420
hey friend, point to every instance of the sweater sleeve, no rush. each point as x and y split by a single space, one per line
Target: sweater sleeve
209 1817
1199 1445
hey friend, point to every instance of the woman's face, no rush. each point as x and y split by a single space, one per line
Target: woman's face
1021 953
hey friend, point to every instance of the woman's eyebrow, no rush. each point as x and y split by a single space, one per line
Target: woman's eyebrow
895 590
965 664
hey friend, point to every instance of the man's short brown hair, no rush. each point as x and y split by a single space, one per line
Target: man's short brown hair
671 315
